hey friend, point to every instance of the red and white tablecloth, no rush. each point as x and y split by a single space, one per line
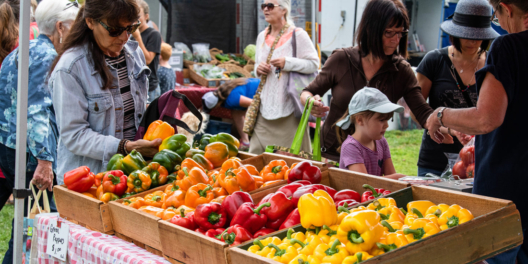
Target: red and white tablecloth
195 93
87 246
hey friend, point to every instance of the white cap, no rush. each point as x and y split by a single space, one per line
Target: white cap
369 99
209 101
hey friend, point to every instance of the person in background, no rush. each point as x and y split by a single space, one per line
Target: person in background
149 41
166 75
447 78
98 114
498 118
54 18
365 149
378 61
276 123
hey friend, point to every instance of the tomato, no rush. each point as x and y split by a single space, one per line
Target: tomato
460 169
467 155
470 171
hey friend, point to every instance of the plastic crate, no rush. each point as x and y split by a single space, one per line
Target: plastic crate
214 127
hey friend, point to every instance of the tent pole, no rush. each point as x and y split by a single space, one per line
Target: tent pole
314 38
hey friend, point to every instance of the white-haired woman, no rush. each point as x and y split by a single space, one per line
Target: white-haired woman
276 124
54 18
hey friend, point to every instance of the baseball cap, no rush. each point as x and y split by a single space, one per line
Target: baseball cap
369 99
209 101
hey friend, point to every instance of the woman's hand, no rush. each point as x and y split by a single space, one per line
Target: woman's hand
463 138
43 175
278 63
263 69
319 109
145 147
433 125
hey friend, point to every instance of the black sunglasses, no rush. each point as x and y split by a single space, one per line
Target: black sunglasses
70 4
117 31
270 6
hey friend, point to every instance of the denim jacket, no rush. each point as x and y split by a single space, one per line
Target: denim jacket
90 119
41 124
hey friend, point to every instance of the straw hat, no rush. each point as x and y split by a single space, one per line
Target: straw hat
471 20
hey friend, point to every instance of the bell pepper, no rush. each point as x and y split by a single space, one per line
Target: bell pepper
158 174
210 216
107 197
290 189
260 246
454 216
412 215
139 181
373 193
252 169
134 202
176 143
233 202
200 159
381 203
191 152
392 214
346 203
282 253
225 138
115 163
189 164
420 228
328 233
167 214
275 224
270 183
249 217
303 259
263 232
293 219
216 153
308 247
237 234
347 194
391 242
186 208
193 177
155 199
360 230
173 177
304 170
99 178
219 191
217 233
79 179
203 142
275 170
334 253
437 210
219 199
158 129
133 161
168 159
239 179
99 192
311 189
184 220
422 206
317 209
115 182
170 189
92 191
280 207
198 230
357 258
199 194
291 234
230 164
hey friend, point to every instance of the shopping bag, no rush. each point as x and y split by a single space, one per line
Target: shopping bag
28 221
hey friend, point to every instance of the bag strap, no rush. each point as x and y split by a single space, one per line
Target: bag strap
35 32
297 140
36 205
445 57
264 77
175 122
294 44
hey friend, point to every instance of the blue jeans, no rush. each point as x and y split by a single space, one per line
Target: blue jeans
154 94
7 164
422 171
519 253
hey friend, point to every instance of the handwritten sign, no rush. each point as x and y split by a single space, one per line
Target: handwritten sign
58 240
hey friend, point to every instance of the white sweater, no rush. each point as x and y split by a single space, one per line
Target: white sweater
275 102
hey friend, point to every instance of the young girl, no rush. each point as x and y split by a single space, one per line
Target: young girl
365 149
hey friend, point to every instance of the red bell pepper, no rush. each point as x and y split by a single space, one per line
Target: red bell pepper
263 232
183 220
311 189
115 182
217 233
373 193
303 182
250 217
80 179
232 202
294 218
346 203
346 194
210 216
305 171
289 189
236 235
198 230
276 223
280 206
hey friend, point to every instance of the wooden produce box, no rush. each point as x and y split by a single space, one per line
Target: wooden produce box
203 81
83 210
495 229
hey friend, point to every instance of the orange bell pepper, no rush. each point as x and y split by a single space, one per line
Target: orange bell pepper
158 129
107 197
93 191
230 164
219 199
155 199
289 170
275 170
99 192
259 181
99 178
216 153
252 170
167 214
199 194
186 209
88 194
239 179
134 202
192 177
219 191
268 183
214 179
189 164
176 199
170 189
151 210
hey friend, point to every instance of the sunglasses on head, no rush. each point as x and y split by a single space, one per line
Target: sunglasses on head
71 4
270 6
117 31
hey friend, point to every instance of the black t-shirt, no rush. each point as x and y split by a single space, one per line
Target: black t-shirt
501 163
152 41
444 93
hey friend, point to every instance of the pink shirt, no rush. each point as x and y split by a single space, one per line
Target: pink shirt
353 152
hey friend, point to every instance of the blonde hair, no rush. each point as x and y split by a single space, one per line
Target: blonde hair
286 5
166 51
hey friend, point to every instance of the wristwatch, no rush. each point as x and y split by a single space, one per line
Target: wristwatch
439 115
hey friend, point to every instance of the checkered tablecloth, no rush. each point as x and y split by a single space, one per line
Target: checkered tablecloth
195 93
87 246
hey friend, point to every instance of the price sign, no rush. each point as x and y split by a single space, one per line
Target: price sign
58 240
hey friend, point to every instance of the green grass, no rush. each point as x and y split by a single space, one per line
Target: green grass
6 216
404 148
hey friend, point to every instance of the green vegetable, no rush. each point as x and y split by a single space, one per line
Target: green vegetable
222 57
250 51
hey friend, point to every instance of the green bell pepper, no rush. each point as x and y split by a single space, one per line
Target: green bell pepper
193 152
176 143
132 162
115 163
205 163
168 159
232 143
204 141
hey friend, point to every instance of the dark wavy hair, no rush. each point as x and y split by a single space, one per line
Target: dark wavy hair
80 34
9 13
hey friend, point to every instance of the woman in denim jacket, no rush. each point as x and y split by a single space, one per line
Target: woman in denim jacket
99 86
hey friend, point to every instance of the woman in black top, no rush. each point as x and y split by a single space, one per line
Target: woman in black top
447 77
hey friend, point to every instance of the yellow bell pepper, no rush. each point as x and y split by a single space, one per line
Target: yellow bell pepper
422 206
357 258
282 253
341 216
392 241
334 253
454 216
420 228
260 246
290 235
307 247
392 214
328 234
317 209
381 203
412 215
391 228
303 259
437 210
360 230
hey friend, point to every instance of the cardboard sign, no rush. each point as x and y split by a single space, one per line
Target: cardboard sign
58 240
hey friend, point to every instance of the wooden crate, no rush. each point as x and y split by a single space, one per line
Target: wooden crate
495 229
203 81
83 210
139 244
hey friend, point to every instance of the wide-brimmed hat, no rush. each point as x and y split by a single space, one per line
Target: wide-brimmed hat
471 20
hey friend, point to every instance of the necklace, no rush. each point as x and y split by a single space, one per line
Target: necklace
453 73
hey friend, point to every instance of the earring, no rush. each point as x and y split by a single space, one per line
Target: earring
60 40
